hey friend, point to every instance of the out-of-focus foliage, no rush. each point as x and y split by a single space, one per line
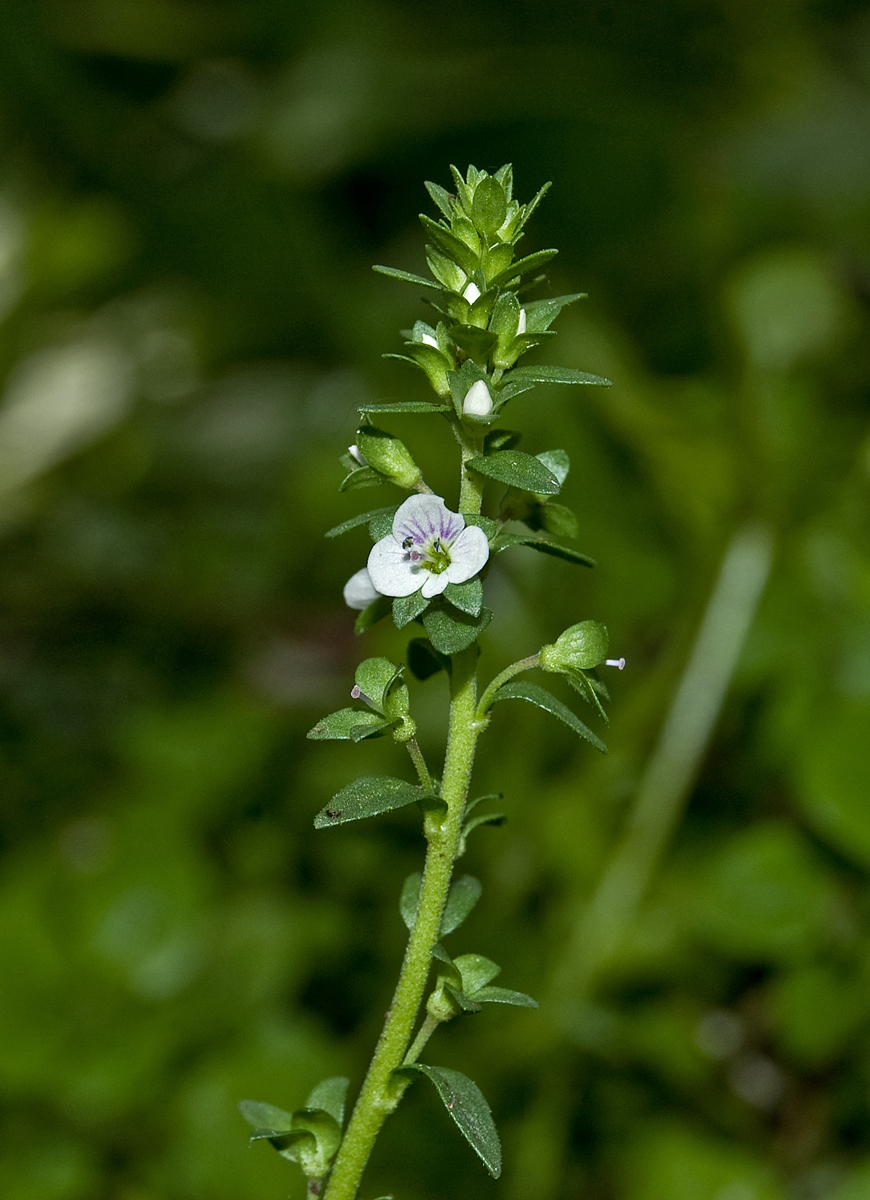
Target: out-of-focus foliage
191 196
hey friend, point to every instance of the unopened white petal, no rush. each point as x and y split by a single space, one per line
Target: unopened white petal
429 340
471 293
359 591
478 401
521 327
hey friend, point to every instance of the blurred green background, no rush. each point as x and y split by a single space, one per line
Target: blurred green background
191 198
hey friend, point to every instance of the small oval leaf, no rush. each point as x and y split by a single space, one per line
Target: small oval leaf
518 469
465 1102
463 895
369 797
453 631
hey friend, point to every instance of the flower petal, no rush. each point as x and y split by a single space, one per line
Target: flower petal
359 591
435 584
424 518
391 569
467 554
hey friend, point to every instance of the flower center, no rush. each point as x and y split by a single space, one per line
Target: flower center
435 556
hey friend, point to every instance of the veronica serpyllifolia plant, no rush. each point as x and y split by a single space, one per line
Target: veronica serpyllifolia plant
427 568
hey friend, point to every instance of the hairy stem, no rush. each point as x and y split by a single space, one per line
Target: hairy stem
381 1092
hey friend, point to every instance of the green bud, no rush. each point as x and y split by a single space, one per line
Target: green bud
388 455
579 648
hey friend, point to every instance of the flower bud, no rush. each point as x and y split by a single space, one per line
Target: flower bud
388 455
478 401
521 324
359 591
579 648
471 292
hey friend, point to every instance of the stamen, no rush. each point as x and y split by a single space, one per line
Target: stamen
356 693
615 662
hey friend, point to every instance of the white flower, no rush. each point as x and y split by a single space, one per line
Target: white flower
478 401
471 293
359 591
428 548
521 326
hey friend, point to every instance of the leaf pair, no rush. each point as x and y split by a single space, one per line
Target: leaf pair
311 1135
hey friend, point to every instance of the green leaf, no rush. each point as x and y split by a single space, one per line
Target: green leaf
360 519
475 342
476 823
557 462
369 616
504 540
530 263
349 724
557 520
330 1095
407 608
326 1132
441 197
361 477
497 258
476 971
409 901
369 797
463 895
464 1101
424 660
489 527
404 406
545 374
534 694
265 1116
407 277
489 206
500 439
452 246
373 677
451 632
499 995
541 313
380 525
467 597
517 469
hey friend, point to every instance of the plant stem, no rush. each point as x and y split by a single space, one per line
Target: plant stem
471 489
420 765
380 1092
524 664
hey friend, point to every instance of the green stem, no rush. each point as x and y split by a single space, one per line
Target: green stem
380 1092
471 488
430 1024
524 664
419 762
